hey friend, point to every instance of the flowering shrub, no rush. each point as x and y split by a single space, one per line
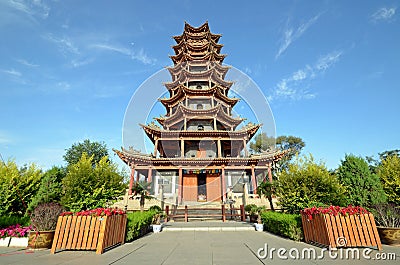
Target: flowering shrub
15 231
334 210
95 212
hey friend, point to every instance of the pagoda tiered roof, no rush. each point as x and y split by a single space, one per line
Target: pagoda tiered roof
209 75
201 32
197 46
210 56
221 69
152 131
183 91
204 114
134 157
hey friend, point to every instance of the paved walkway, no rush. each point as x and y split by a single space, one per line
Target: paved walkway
191 247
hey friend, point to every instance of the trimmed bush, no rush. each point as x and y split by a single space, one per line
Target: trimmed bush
6 221
138 224
283 224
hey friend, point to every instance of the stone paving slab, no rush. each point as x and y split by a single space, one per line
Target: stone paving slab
187 247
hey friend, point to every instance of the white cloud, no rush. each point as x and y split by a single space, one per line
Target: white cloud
4 138
12 72
65 44
79 63
383 13
328 60
296 86
135 55
64 85
26 63
33 8
291 34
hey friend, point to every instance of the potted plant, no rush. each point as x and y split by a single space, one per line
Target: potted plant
387 215
251 210
44 220
157 218
259 225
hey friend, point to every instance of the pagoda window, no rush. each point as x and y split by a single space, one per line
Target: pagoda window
199 106
199 68
200 127
198 85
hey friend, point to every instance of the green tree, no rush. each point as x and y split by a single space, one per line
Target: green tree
17 187
142 189
266 188
96 149
50 189
305 183
86 186
261 142
389 173
363 188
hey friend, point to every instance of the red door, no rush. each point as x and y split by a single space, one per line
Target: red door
213 187
190 187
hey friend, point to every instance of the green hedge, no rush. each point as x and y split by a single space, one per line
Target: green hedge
138 224
286 225
6 221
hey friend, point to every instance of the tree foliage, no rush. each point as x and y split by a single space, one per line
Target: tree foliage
17 187
363 188
50 189
306 183
389 173
262 142
87 187
96 149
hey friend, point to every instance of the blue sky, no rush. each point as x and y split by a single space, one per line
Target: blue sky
68 69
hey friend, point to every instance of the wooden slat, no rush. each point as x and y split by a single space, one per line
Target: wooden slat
100 245
56 235
375 231
344 229
366 228
359 230
71 233
62 232
86 231
76 231
96 234
66 232
354 229
91 233
351 242
81 232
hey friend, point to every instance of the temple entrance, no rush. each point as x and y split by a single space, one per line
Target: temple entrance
201 187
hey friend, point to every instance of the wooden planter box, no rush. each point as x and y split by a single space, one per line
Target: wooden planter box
89 232
341 231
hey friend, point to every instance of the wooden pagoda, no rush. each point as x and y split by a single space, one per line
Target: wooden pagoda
200 153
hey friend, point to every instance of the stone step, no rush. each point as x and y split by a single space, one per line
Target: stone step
208 226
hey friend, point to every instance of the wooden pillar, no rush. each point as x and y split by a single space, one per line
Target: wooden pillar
182 148
215 124
223 188
219 153
180 183
155 148
246 152
185 124
131 180
270 172
137 176
253 180
149 175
